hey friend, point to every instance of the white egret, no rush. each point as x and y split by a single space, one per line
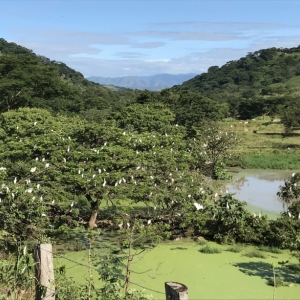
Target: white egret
72 204
198 206
15 180
149 222
293 174
47 165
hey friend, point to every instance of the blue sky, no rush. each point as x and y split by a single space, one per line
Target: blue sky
121 38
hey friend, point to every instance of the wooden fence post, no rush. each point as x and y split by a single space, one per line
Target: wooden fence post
176 291
44 272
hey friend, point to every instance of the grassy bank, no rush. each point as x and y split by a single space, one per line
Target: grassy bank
279 161
264 144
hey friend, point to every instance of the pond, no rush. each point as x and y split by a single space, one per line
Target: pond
259 188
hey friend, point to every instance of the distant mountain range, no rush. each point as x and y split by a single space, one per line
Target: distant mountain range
153 83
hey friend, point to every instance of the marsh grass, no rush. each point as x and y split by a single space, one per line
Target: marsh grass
270 249
279 161
210 250
255 253
235 249
279 281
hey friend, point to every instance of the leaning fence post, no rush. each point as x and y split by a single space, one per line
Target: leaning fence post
176 291
44 272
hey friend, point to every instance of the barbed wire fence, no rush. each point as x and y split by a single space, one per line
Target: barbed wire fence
89 267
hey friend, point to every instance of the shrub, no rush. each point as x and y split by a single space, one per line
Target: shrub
270 249
210 250
235 249
255 253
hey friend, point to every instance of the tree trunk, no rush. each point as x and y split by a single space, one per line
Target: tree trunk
93 218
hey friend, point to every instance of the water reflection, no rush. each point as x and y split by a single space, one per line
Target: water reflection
259 188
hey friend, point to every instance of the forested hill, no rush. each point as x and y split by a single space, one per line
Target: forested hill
30 80
264 78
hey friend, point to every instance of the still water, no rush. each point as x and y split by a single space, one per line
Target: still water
259 188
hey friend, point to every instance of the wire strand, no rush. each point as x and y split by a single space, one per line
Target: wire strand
87 266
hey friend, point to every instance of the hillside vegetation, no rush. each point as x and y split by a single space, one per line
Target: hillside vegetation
264 82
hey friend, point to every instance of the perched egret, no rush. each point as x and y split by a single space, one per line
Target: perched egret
15 180
198 206
227 205
149 222
293 174
32 170
47 165
52 202
72 204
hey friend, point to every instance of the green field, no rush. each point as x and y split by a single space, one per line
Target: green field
264 144
226 275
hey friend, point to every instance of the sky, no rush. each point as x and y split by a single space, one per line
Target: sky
142 38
